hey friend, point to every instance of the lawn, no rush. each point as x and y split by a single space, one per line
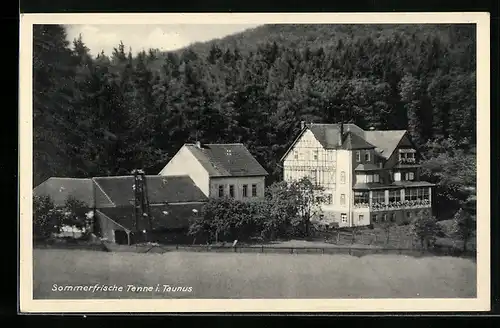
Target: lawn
249 275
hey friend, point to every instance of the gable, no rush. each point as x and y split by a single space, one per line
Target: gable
354 141
306 140
385 141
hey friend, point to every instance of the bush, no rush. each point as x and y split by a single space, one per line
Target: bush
76 214
47 219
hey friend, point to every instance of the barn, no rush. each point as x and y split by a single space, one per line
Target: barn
175 201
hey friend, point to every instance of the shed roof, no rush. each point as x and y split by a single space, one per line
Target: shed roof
173 216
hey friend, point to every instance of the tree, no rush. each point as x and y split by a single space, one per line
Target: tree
47 219
227 219
387 226
76 214
424 228
308 199
464 225
282 209
53 129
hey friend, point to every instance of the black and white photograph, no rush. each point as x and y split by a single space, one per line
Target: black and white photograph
224 157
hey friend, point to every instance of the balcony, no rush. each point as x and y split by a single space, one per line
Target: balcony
400 205
361 205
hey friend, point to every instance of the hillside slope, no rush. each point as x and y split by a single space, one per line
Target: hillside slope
300 36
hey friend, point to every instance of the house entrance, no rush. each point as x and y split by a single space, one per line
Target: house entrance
121 237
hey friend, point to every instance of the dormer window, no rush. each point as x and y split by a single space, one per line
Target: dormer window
358 156
367 156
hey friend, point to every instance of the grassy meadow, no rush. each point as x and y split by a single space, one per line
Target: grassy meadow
249 275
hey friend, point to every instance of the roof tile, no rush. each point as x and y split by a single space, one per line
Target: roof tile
227 160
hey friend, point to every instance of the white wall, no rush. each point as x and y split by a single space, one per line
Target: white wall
301 160
184 163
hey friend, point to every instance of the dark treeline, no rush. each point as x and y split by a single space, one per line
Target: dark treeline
107 115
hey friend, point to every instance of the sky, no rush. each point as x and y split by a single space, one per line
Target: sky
143 37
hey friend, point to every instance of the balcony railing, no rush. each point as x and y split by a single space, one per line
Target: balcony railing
361 205
406 204
407 161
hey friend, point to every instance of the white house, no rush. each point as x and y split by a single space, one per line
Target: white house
219 170
368 176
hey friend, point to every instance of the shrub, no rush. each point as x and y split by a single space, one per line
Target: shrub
425 229
47 219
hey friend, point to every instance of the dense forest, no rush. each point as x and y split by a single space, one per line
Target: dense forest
106 115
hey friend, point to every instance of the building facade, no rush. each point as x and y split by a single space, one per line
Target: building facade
368 177
220 170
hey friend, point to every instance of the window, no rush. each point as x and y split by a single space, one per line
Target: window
315 154
361 197
361 217
394 196
376 178
358 156
343 217
313 178
296 155
245 190
393 217
409 176
408 215
342 177
374 218
378 196
231 191
221 190
411 194
369 178
360 178
397 176
342 199
254 190
425 194
367 156
384 218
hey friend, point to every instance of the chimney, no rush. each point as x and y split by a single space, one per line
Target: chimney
302 125
198 144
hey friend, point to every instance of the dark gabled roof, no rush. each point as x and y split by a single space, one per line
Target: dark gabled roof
174 216
385 141
161 189
353 141
59 189
367 167
225 160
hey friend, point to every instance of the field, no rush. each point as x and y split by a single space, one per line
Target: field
245 275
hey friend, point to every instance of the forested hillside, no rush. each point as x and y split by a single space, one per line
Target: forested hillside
108 115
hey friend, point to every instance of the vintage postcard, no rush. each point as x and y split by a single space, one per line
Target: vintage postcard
254 162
